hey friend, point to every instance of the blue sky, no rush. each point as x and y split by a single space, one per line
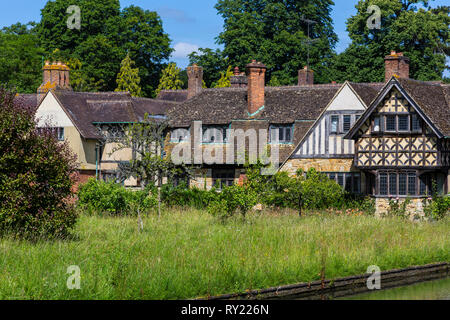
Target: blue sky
190 24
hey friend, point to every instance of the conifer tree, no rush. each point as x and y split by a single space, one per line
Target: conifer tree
128 78
170 79
224 80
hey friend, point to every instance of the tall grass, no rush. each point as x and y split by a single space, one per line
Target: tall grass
188 254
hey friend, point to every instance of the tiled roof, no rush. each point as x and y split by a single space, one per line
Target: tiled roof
87 108
282 105
433 99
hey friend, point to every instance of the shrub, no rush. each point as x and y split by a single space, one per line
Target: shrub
98 197
182 196
313 191
232 199
437 207
37 174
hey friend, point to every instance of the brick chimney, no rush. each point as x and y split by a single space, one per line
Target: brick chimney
396 65
55 75
239 79
305 77
256 73
195 80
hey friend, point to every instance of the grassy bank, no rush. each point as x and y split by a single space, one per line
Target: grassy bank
190 254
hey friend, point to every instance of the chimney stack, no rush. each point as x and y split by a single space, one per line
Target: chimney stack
238 80
305 77
195 80
55 75
256 72
396 65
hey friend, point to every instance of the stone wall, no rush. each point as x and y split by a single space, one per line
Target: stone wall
413 209
321 165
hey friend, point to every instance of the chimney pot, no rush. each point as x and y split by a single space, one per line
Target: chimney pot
236 71
305 76
396 64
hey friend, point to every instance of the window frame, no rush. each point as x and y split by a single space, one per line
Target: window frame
394 183
344 117
223 177
285 128
333 116
353 177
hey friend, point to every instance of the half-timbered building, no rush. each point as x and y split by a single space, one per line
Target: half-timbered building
402 142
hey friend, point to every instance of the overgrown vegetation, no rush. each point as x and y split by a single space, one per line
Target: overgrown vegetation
187 254
37 174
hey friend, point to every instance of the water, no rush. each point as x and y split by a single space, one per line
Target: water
432 290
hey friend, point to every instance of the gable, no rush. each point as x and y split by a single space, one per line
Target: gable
320 141
51 113
407 103
346 100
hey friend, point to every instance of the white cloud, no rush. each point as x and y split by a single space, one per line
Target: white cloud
182 49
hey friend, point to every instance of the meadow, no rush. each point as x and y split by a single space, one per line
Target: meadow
188 253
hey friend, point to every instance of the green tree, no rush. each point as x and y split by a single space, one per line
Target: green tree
170 79
37 173
276 33
128 78
107 34
213 63
20 58
224 80
421 33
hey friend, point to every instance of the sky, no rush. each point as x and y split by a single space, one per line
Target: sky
190 24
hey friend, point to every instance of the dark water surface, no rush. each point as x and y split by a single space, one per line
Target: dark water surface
432 290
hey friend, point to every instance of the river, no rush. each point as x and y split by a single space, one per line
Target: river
432 290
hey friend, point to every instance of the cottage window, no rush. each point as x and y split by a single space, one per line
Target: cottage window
397 183
376 124
334 124
416 123
390 123
350 181
57 132
284 133
403 123
347 123
222 178
383 184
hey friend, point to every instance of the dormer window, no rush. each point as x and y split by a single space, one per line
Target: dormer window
334 124
285 133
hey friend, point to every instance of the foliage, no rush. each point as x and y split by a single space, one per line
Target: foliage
37 174
213 63
107 34
170 79
128 78
422 34
232 199
20 58
98 197
437 207
398 208
276 33
182 196
224 81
